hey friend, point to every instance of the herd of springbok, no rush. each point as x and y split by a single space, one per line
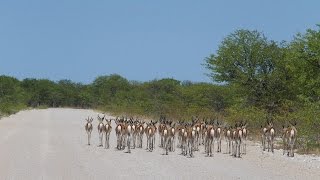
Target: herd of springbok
187 136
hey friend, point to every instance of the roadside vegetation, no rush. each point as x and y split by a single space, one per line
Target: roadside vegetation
254 79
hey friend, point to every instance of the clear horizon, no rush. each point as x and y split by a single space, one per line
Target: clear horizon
142 40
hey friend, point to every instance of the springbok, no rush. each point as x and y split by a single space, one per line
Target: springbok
209 138
119 129
180 130
285 132
107 129
129 133
267 134
88 128
237 136
191 135
150 131
140 132
162 124
244 135
135 132
184 139
218 136
166 137
169 137
228 138
263 137
101 129
203 130
173 136
270 136
197 129
290 136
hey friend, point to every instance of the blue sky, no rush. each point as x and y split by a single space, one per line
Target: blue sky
140 40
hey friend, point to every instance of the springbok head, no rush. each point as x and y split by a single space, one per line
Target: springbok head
89 120
173 125
154 123
219 124
238 125
100 119
244 124
269 123
117 120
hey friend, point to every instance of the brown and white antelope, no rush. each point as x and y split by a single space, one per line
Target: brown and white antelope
184 140
88 128
101 129
169 137
119 129
134 124
197 129
140 132
173 136
107 129
289 138
129 133
209 139
270 134
218 136
191 135
161 127
237 136
180 129
150 132
245 136
165 135
263 137
228 138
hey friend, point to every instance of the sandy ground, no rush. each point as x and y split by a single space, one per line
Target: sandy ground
51 144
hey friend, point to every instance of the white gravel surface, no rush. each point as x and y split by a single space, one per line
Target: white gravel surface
51 144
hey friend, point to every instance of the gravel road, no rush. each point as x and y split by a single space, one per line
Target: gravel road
51 144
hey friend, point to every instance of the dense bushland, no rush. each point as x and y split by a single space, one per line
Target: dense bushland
254 79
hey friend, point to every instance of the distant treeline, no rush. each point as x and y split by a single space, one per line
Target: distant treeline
255 79
116 94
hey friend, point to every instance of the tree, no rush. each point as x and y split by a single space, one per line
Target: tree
10 90
247 59
105 88
40 92
12 96
164 94
304 61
